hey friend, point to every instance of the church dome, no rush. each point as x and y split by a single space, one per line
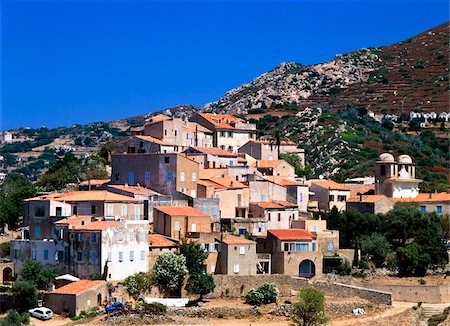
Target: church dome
404 159
386 157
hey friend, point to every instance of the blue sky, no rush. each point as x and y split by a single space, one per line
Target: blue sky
66 62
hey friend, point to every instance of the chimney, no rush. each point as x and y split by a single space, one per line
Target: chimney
430 195
360 196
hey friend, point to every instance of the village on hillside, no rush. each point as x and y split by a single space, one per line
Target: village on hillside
208 182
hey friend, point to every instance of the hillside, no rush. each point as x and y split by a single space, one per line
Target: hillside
323 107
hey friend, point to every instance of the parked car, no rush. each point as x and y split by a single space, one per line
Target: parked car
41 313
116 306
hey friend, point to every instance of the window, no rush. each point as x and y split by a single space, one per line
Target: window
37 231
175 133
167 160
75 210
117 176
132 236
58 211
147 177
279 217
169 176
141 144
16 253
315 228
423 209
177 226
60 255
94 238
165 132
79 236
269 216
211 247
213 268
313 247
231 163
341 198
39 211
439 209
142 254
46 254
93 209
120 236
131 178
214 210
142 235
124 210
109 256
205 210
263 197
193 193
137 212
110 210
383 170
331 198
93 256
33 254
131 255
296 247
242 231
241 250
222 134
120 256
301 196
194 176
193 227
61 234
330 246
181 176
79 256
236 268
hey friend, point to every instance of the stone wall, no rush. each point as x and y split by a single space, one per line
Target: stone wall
236 286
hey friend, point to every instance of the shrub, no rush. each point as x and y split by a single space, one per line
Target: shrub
266 293
344 268
153 308
200 283
13 318
310 310
363 264
422 281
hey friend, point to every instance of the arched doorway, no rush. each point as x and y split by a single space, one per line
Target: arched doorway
307 268
7 275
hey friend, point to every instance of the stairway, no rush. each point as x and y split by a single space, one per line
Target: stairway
429 310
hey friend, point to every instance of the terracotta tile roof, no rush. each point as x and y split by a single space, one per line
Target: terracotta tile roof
97 226
269 142
195 127
228 182
356 189
180 211
94 182
292 234
75 219
231 240
77 287
329 184
208 183
366 199
156 118
283 181
210 173
268 205
214 151
91 195
285 203
267 164
224 121
425 198
137 190
160 241
153 140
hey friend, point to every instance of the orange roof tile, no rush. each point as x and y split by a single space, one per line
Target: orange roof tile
425 198
292 234
94 182
267 164
282 181
153 140
180 211
77 287
224 121
208 183
138 190
195 127
228 182
156 118
214 151
231 240
160 241
96 226
356 189
285 203
268 205
74 219
91 195
366 199
329 184
210 173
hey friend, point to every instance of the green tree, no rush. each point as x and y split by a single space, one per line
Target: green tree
195 256
25 295
310 310
277 136
376 247
294 160
64 171
411 260
265 294
13 318
137 284
169 271
106 151
201 284
33 271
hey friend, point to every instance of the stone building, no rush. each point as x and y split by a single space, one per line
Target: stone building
237 256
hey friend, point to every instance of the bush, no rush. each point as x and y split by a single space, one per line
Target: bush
344 268
153 308
422 281
363 264
200 283
13 318
310 310
266 293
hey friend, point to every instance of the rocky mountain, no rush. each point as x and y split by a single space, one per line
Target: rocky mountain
411 75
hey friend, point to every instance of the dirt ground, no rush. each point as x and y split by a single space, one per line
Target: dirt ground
430 280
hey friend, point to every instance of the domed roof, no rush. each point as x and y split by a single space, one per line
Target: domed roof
386 157
405 159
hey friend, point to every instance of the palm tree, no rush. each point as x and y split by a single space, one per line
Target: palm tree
277 137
